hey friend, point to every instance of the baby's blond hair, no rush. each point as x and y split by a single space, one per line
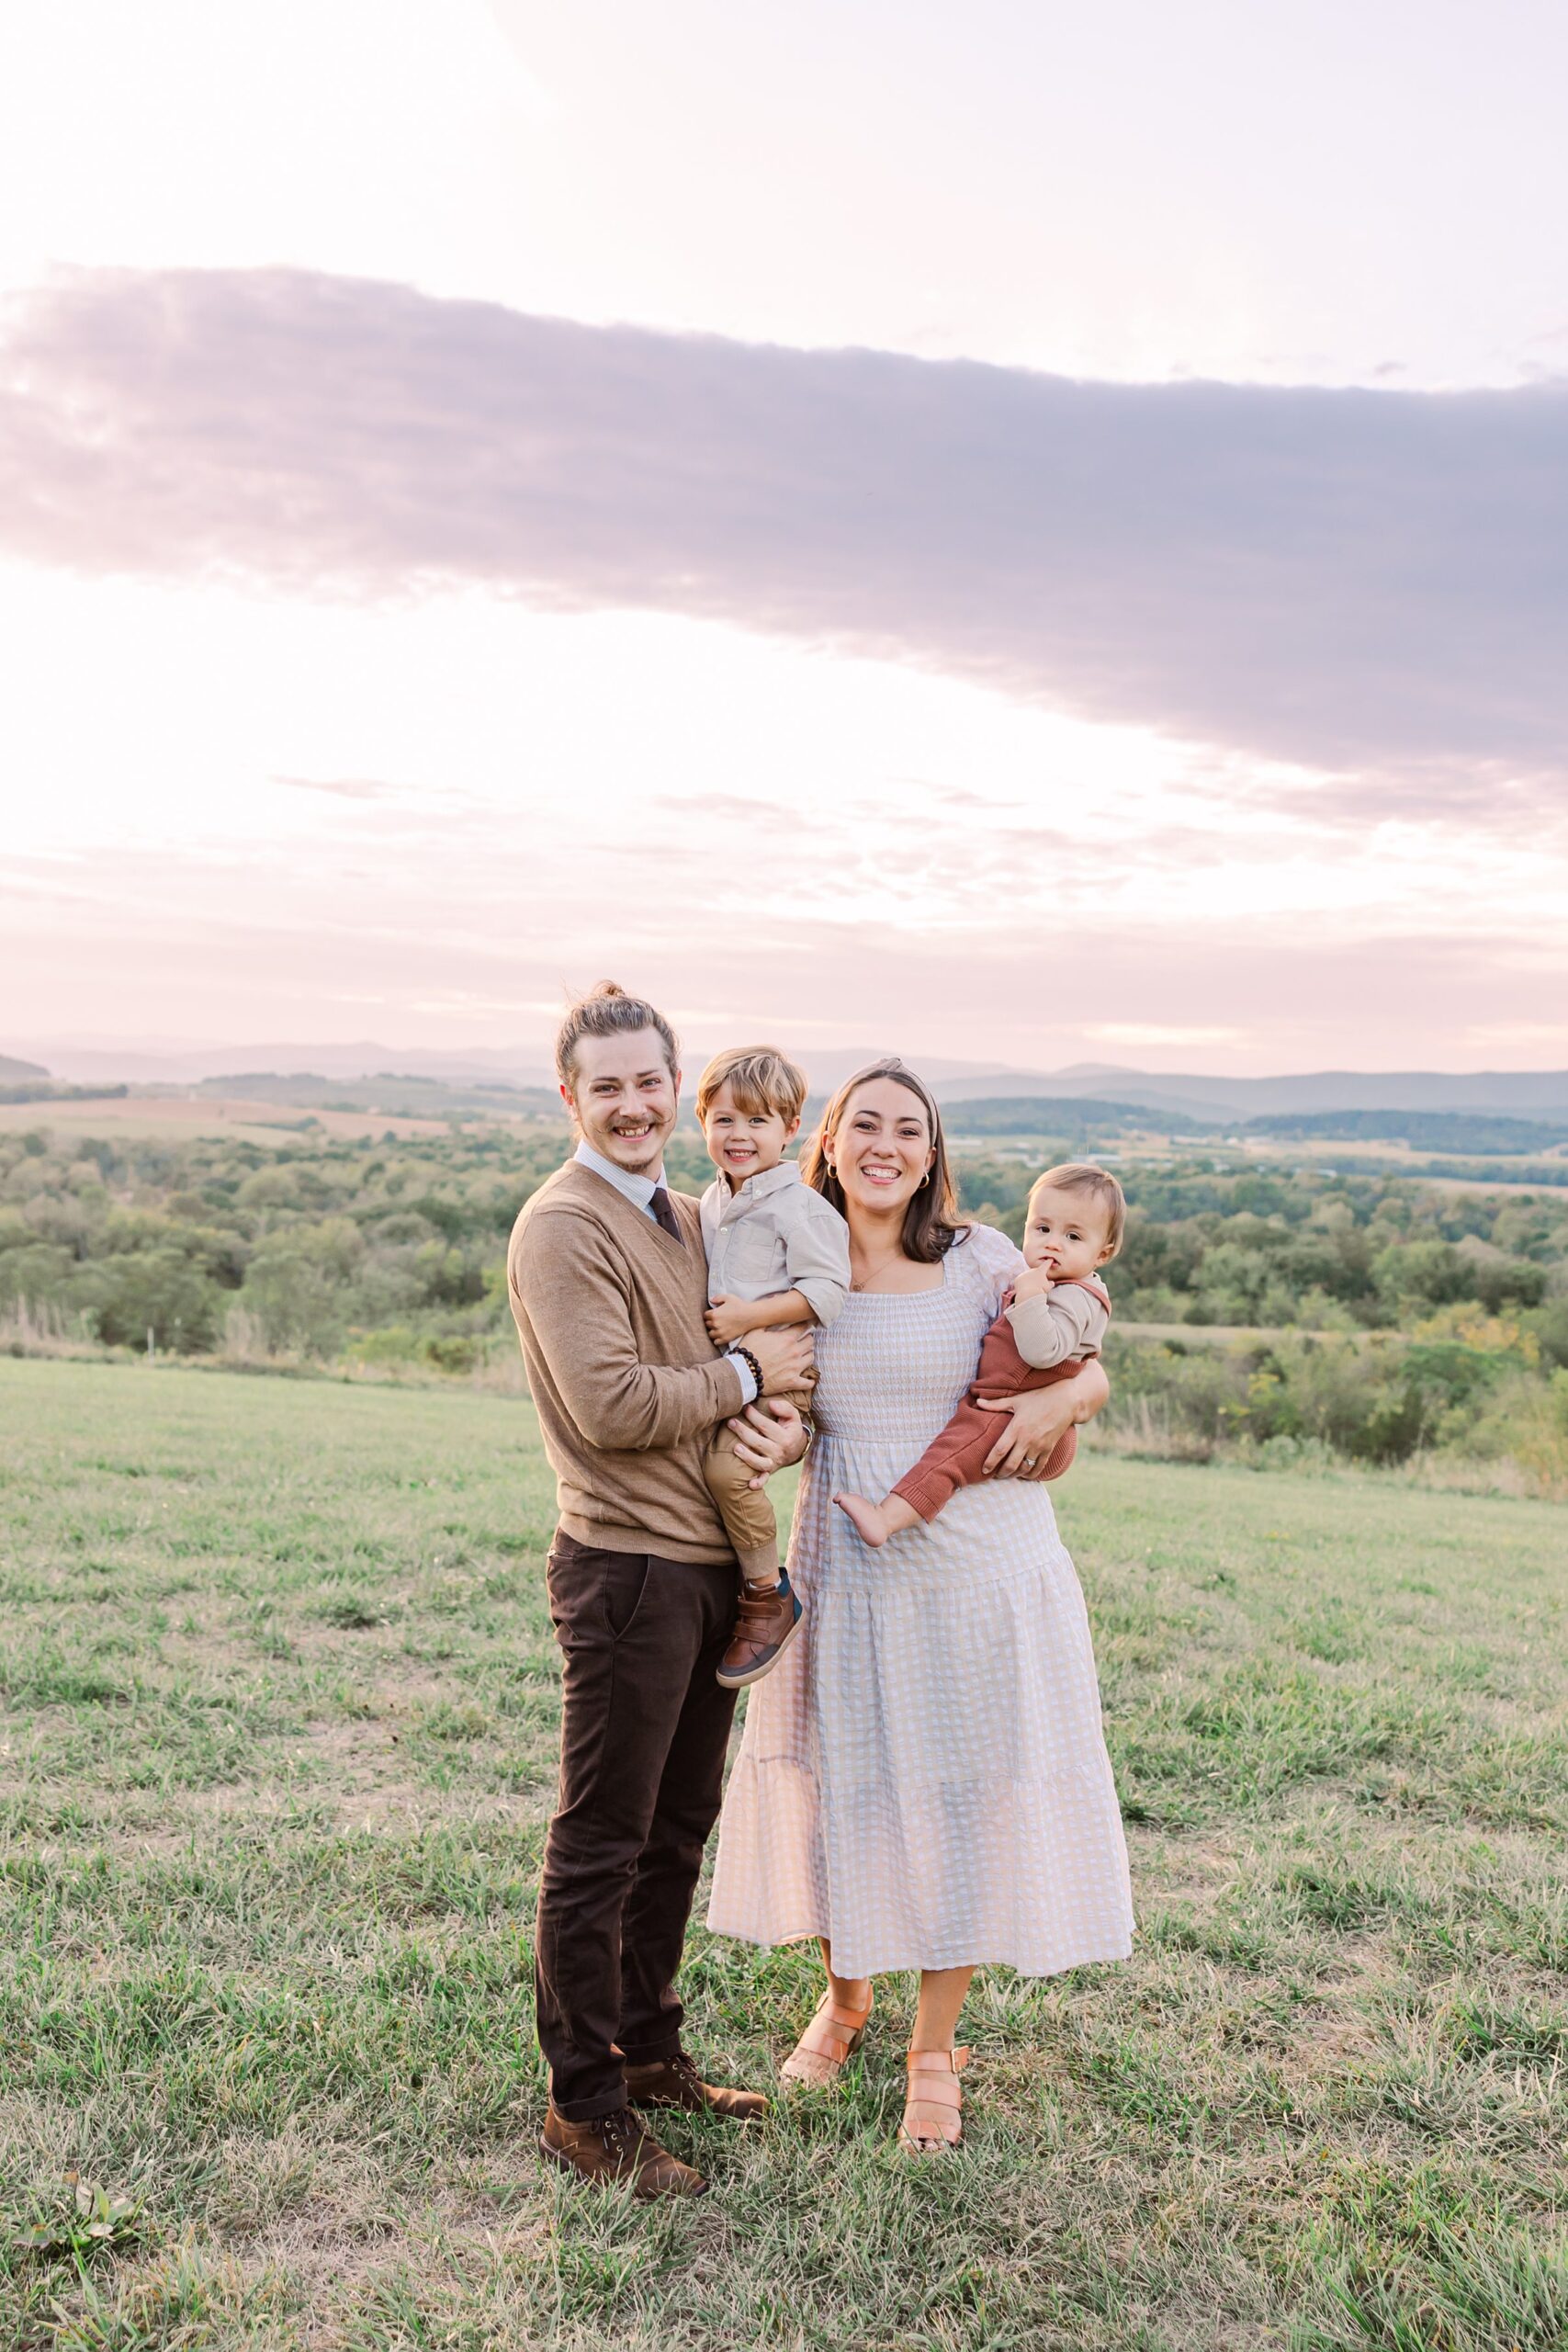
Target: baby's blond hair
1097 1184
759 1077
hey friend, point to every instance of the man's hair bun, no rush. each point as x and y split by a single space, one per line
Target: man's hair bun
608 1011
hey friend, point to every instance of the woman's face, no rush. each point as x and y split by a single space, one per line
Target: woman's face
882 1147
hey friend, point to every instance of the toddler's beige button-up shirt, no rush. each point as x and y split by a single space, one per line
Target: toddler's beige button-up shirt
776 1233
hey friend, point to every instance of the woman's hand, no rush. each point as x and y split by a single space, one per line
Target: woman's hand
769 1436
1038 1419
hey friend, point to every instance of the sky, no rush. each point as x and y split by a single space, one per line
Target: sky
1020 534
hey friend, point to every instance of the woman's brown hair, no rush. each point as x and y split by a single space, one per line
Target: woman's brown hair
932 1222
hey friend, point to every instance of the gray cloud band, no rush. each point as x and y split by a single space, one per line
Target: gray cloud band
1346 579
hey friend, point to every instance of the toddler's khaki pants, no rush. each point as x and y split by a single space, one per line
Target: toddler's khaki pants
747 1513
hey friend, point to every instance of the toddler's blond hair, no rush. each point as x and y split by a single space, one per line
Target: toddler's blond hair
759 1077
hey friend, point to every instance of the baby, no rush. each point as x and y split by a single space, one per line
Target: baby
777 1253
1054 1317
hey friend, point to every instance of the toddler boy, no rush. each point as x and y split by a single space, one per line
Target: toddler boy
1053 1319
777 1253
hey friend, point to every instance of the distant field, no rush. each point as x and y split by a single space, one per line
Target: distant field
235 1118
1396 1159
275 1749
1203 1335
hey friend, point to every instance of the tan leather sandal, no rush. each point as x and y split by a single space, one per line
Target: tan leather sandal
933 2103
831 2039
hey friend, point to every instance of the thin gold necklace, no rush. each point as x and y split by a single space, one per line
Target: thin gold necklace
880 1268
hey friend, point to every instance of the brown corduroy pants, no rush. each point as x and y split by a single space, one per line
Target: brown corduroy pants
644 1728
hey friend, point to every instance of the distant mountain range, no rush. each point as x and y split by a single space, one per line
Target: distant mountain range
1519 1094
1077 1121
1184 1095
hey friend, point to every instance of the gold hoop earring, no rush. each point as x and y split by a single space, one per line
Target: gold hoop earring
924 1181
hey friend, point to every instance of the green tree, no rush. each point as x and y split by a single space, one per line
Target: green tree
295 1299
162 1290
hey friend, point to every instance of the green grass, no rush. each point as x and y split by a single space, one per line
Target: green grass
277 1745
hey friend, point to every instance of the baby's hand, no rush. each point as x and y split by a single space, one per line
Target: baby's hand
730 1318
1033 1282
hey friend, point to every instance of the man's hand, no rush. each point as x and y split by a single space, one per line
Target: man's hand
730 1318
1033 1282
1038 1418
769 1437
784 1357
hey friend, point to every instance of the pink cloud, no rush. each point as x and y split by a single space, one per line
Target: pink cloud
1366 580
338 788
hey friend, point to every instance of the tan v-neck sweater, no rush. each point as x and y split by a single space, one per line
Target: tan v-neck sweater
609 1308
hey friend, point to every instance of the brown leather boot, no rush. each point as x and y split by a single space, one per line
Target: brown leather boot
765 1624
614 2150
675 2082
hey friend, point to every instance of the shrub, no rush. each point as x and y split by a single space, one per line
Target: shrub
161 1291
1419 1274
394 1344
1549 1325
1205 1391
1372 1400
1295 1453
294 1299
1530 1423
453 1351
34 1276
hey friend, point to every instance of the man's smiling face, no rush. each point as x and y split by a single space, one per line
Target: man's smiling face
625 1097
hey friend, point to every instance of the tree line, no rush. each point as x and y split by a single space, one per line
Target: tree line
1367 1315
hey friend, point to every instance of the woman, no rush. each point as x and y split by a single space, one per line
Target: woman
922 1782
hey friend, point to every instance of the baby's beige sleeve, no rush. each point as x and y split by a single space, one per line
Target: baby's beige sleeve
1048 1331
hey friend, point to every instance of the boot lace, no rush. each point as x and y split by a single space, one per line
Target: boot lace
686 2068
618 2132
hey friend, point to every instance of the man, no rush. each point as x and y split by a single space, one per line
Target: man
608 1285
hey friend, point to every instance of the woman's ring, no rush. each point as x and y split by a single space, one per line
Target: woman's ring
1029 1460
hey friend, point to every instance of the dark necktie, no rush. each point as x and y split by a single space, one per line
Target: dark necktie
664 1213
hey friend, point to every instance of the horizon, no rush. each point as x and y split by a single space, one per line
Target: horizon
289 1059
1011 589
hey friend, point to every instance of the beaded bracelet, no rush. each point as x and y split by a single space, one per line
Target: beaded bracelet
752 1366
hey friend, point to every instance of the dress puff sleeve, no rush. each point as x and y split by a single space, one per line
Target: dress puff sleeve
990 1260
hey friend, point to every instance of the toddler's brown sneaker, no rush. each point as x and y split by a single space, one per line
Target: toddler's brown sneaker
765 1624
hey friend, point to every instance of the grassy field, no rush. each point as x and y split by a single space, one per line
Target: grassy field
276 1746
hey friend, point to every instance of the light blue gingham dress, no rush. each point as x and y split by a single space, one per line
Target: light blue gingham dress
923 1776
